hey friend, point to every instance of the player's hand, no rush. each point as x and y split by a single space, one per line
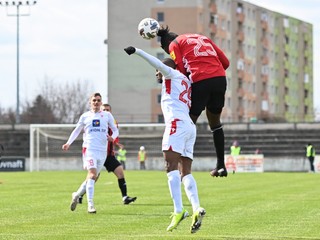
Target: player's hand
130 50
65 147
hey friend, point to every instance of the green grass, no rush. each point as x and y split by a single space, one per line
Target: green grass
243 206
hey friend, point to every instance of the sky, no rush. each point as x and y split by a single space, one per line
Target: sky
64 41
59 40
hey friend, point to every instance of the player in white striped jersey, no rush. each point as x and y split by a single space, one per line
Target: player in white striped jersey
178 138
95 124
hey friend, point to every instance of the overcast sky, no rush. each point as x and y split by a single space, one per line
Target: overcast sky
64 40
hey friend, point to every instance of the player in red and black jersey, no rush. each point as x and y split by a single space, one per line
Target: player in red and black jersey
199 58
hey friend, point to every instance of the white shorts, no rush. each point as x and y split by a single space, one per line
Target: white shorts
93 159
180 136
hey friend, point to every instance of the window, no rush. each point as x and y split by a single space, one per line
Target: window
160 16
286 22
240 64
160 118
264 16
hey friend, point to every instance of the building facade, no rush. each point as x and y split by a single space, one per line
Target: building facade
270 77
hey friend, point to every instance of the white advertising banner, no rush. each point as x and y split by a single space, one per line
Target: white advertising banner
244 163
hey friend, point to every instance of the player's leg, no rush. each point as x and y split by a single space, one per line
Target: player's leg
214 108
94 164
174 183
118 171
91 178
173 145
209 94
218 139
190 187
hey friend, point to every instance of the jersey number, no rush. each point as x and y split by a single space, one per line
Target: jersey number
185 95
202 48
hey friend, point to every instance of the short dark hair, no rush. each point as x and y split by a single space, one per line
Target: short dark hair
106 105
96 95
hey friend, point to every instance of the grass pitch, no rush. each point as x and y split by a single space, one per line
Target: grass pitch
242 206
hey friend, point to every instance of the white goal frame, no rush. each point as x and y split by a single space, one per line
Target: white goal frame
35 132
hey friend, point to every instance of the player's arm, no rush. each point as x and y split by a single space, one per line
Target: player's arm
113 126
222 57
153 61
74 134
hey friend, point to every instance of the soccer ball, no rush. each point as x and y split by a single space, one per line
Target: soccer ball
148 28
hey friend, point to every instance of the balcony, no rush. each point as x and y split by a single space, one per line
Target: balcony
240 17
265 42
264 25
213 8
241 92
264 60
240 111
240 53
264 78
240 35
240 73
213 28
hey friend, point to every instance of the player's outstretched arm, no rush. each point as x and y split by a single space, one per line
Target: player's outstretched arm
153 61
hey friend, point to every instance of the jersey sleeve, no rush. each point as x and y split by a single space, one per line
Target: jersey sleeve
113 126
176 56
222 57
75 133
155 62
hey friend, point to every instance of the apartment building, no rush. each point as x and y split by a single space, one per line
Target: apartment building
270 77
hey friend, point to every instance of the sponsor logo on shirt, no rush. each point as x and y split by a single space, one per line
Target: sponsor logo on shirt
95 123
172 55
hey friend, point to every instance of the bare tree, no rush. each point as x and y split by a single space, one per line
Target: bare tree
69 100
7 116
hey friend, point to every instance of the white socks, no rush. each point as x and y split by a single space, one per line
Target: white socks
174 183
90 191
82 189
190 187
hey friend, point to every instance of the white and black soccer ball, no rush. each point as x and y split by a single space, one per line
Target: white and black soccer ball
148 28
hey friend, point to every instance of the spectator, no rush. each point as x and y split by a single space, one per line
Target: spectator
142 156
310 153
122 156
235 149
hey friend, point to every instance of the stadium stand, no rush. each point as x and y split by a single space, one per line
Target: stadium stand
276 140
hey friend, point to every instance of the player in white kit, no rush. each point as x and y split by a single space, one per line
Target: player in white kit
95 124
178 138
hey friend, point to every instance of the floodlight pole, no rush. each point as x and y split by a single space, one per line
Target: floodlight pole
17 4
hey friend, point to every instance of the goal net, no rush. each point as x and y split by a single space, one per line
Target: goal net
46 142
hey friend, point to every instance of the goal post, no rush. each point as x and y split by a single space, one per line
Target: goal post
46 142
39 140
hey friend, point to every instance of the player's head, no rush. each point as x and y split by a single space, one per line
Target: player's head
95 102
170 63
106 107
166 37
142 148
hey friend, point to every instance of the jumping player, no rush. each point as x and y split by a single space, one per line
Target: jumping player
204 63
178 138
